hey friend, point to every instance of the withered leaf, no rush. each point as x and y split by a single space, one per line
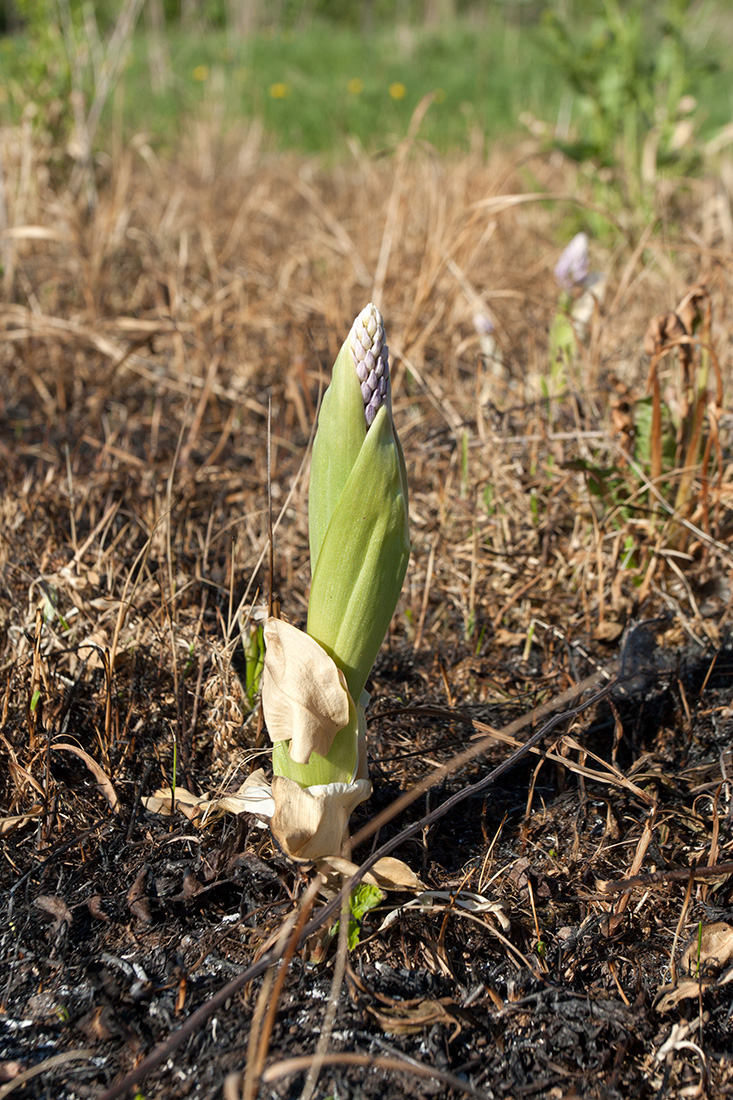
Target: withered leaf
708 951
688 310
304 695
408 1019
191 885
685 991
388 873
10 1070
662 329
310 823
55 907
137 901
608 631
94 905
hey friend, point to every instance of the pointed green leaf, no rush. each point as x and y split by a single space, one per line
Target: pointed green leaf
363 558
340 435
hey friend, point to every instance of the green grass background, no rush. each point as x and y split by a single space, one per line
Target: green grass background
318 84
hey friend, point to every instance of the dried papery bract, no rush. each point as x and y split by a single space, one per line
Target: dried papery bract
313 693
311 718
310 822
303 692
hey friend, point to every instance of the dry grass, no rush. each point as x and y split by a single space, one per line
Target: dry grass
140 347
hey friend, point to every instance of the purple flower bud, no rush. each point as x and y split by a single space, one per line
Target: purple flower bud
572 267
483 325
371 358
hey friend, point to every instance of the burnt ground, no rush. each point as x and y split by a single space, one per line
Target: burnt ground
142 344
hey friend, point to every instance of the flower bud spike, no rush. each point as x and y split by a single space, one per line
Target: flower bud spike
371 358
359 387
572 268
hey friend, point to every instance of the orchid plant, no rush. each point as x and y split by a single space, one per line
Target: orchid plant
581 294
313 684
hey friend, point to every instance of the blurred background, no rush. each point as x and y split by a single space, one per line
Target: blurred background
598 78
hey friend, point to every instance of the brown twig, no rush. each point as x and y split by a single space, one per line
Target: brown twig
269 999
674 874
299 1065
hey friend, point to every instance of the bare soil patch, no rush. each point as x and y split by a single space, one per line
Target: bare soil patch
141 345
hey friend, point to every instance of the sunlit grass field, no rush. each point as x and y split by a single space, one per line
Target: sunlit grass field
316 87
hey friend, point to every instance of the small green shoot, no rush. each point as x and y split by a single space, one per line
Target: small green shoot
628 559
50 607
464 464
563 346
534 506
364 897
189 659
254 658
643 446
528 642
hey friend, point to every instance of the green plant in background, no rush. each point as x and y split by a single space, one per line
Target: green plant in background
71 54
643 436
683 409
484 67
632 67
313 683
581 293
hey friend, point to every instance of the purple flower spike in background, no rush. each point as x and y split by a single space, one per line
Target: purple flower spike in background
483 325
571 269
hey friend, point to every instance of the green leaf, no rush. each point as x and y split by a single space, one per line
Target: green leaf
254 660
563 348
363 558
364 897
340 435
